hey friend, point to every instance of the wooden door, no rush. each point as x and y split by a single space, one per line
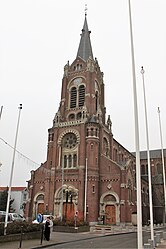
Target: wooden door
110 215
40 208
68 211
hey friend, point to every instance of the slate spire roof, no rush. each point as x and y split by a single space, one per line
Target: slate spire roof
85 48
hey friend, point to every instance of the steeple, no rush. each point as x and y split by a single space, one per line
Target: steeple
85 49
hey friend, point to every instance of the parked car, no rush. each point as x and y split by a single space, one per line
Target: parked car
3 217
16 217
2 212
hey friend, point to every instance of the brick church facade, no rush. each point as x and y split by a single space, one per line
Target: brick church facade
87 172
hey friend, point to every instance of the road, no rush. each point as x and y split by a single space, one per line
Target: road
121 241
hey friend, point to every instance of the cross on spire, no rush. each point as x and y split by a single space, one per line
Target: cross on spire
86 9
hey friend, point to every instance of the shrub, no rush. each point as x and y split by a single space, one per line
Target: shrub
71 222
15 227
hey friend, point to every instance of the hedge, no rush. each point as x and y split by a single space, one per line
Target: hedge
15 227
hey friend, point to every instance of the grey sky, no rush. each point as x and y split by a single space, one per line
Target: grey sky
38 37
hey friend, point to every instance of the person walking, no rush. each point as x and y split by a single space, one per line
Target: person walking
47 228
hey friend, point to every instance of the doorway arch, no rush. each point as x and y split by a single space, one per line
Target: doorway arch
110 208
38 206
65 205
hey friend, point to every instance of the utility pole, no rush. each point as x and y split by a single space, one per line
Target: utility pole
12 169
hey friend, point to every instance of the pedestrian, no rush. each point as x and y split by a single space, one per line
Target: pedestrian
47 228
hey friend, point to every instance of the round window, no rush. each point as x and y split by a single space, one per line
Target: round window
69 141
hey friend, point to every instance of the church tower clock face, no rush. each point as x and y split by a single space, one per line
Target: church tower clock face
69 141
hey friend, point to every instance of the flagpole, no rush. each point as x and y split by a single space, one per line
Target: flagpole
1 112
11 174
148 157
138 172
162 153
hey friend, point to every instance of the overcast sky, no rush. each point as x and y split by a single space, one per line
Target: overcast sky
38 37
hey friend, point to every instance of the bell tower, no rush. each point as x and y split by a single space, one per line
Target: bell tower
82 93
74 145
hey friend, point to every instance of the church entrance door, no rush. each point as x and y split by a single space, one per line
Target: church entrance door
40 208
110 215
68 211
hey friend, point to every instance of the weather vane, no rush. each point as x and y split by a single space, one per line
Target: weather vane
86 9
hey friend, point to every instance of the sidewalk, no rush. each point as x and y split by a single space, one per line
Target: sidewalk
56 237
162 245
60 237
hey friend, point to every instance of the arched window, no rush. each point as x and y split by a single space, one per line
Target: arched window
143 194
130 190
65 161
40 197
81 92
109 198
105 147
115 155
159 168
74 160
70 161
71 116
142 169
79 115
96 96
73 97
69 151
146 169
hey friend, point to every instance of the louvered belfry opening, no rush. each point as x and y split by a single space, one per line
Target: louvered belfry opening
81 95
73 99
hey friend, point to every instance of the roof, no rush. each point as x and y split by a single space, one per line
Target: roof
158 179
153 154
85 48
93 119
12 188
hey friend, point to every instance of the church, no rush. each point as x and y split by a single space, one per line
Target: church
87 172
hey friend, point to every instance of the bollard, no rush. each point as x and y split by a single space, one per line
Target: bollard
155 243
161 234
147 246
151 243
42 233
164 235
21 238
158 238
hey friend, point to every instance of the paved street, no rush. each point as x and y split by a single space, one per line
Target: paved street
119 239
109 241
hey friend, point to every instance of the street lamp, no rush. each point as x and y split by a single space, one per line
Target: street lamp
162 153
86 175
138 173
12 168
148 157
69 197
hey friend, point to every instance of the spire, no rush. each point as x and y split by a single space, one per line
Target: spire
85 49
